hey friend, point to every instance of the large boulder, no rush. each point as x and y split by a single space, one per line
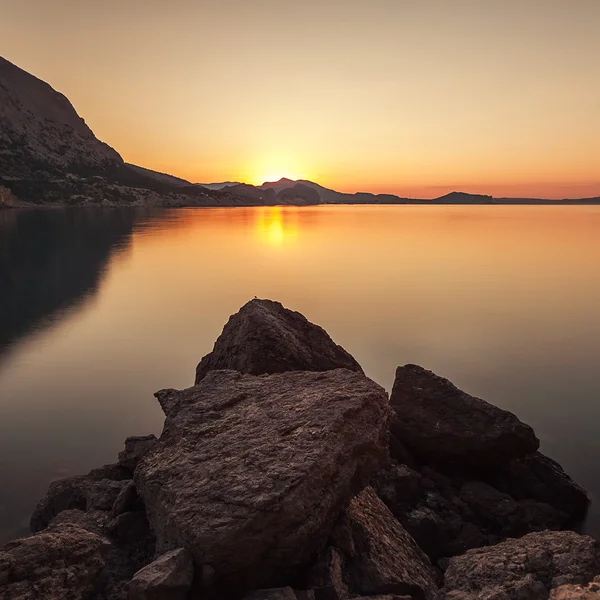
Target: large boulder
378 555
265 337
541 478
523 569
62 562
169 577
250 473
441 424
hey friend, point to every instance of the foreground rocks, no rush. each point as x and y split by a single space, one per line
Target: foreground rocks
64 562
272 480
251 472
441 424
265 337
528 567
377 555
167 578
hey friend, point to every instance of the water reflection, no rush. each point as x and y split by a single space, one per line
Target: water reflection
50 261
501 300
276 225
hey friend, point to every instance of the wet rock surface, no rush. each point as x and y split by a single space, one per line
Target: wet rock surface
251 472
265 337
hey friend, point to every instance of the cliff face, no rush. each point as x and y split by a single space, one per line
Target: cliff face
39 127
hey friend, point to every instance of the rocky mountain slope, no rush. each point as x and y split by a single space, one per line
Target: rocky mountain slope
286 474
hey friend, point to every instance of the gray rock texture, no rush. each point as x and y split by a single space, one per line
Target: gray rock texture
441 424
524 568
61 563
250 473
264 337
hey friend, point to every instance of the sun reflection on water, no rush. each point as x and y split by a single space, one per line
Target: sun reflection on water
276 225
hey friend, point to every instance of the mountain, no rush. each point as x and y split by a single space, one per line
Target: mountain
219 186
49 156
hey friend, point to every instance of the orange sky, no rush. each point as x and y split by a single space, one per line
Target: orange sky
415 98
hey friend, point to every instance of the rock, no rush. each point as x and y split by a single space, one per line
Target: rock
591 591
63 562
250 473
95 521
130 528
135 447
126 501
326 577
167 578
524 568
64 494
379 556
101 495
114 472
265 337
543 479
284 593
494 508
71 493
398 486
443 425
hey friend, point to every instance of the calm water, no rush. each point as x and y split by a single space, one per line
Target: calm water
100 308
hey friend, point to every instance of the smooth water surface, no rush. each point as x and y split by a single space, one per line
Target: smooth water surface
100 308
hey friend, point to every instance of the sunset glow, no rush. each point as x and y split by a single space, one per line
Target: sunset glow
412 98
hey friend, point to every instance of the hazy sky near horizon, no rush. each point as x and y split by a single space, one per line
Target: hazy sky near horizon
409 97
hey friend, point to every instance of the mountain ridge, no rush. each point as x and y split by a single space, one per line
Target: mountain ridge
49 156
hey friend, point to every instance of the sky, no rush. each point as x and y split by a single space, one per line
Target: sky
413 97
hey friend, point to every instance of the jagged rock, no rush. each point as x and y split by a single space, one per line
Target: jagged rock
167 578
443 425
126 501
62 562
284 593
265 337
591 591
543 479
378 555
135 447
101 495
251 472
491 506
524 568
130 528
113 471
326 577
398 485
95 521
71 493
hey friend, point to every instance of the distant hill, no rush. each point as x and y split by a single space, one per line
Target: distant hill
49 156
219 186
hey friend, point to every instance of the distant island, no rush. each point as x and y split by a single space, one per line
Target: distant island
50 157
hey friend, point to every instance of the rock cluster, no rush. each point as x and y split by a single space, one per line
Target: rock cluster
272 480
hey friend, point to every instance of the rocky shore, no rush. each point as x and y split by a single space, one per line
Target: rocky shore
285 473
